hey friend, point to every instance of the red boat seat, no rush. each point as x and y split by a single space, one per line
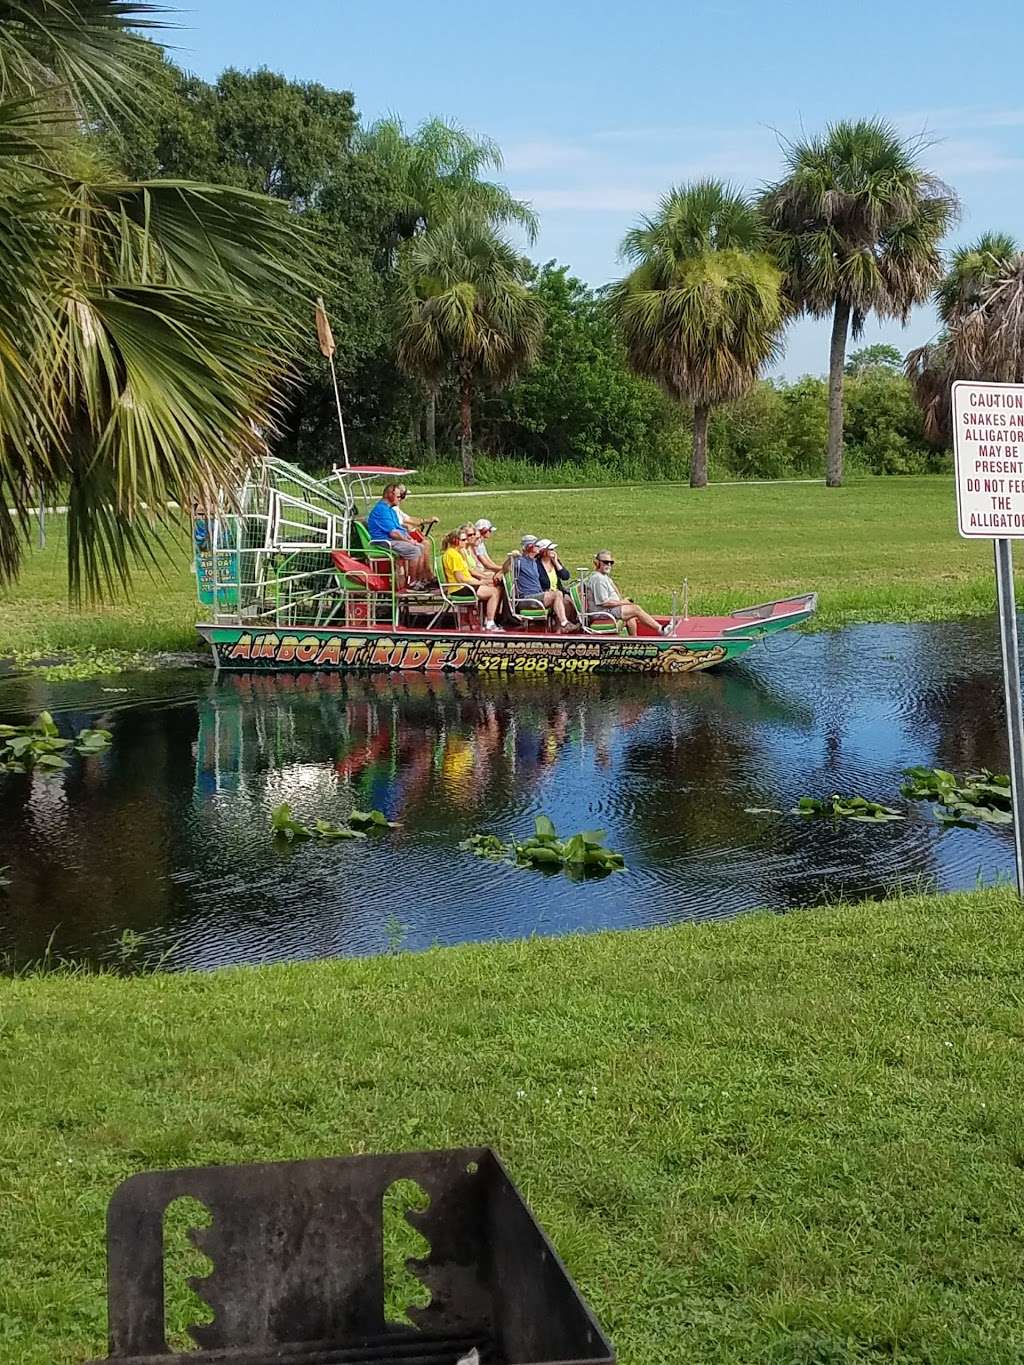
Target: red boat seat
374 582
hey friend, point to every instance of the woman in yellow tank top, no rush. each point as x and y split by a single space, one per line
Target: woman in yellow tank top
459 576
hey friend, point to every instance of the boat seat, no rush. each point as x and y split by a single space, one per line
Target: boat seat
593 621
378 556
361 573
524 610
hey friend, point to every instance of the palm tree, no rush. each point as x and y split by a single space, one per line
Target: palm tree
143 341
436 174
465 311
701 312
856 225
980 301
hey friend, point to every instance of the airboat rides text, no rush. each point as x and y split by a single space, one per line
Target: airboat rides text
995 423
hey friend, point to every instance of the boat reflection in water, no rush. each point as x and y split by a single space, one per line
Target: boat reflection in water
428 748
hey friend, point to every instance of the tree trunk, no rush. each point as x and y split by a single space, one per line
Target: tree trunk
466 432
836 361
699 462
430 425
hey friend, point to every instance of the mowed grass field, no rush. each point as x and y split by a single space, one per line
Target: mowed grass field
791 1140
876 550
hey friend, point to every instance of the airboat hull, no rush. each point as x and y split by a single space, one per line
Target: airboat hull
697 643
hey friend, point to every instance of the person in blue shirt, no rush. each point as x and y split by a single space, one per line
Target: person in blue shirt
386 528
528 583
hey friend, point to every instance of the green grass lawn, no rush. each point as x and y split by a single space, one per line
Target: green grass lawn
877 550
788 1140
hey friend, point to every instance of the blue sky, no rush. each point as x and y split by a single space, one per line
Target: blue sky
600 109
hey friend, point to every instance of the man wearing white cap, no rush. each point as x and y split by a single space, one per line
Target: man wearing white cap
478 548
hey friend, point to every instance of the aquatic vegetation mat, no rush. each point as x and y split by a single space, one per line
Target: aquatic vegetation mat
980 798
39 746
284 825
581 855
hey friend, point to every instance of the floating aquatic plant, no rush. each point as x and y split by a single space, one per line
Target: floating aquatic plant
371 819
582 854
39 746
857 808
487 846
284 824
981 798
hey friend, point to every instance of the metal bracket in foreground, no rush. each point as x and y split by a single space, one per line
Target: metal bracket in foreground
298 1270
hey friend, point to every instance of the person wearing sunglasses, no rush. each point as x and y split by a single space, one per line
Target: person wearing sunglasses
463 582
553 573
482 530
412 523
603 595
529 583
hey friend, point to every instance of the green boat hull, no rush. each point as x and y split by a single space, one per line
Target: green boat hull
332 649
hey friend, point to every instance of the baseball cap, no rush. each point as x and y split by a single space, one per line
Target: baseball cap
484 525
547 545
529 540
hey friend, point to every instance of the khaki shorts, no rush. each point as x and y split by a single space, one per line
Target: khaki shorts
404 549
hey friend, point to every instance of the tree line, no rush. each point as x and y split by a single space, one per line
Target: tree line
162 239
447 333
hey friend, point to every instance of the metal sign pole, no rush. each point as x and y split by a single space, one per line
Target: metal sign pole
1011 681
987 415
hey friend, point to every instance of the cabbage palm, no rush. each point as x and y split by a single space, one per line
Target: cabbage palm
141 347
465 311
436 174
702 310
981 303
856 225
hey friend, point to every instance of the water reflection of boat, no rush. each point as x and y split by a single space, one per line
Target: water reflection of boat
445 743
284 588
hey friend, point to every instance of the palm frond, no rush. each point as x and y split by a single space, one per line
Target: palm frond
439 174
464 306
89 49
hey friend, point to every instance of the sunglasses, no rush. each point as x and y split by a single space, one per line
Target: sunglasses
403 495
606 562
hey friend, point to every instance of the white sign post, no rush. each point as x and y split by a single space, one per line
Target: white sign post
988 449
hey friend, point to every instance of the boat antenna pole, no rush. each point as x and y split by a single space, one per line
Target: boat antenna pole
327 348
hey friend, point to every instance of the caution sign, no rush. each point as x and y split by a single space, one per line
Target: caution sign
988 448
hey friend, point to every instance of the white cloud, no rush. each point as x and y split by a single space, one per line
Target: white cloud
959 119
599 174
967 156
607 198
531 157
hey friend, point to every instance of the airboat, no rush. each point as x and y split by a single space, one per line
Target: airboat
289 581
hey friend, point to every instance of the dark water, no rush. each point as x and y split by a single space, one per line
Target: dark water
166 835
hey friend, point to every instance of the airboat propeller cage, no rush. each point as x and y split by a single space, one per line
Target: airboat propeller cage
298 1267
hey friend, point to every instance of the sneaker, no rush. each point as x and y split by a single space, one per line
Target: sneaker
669 628
493 627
